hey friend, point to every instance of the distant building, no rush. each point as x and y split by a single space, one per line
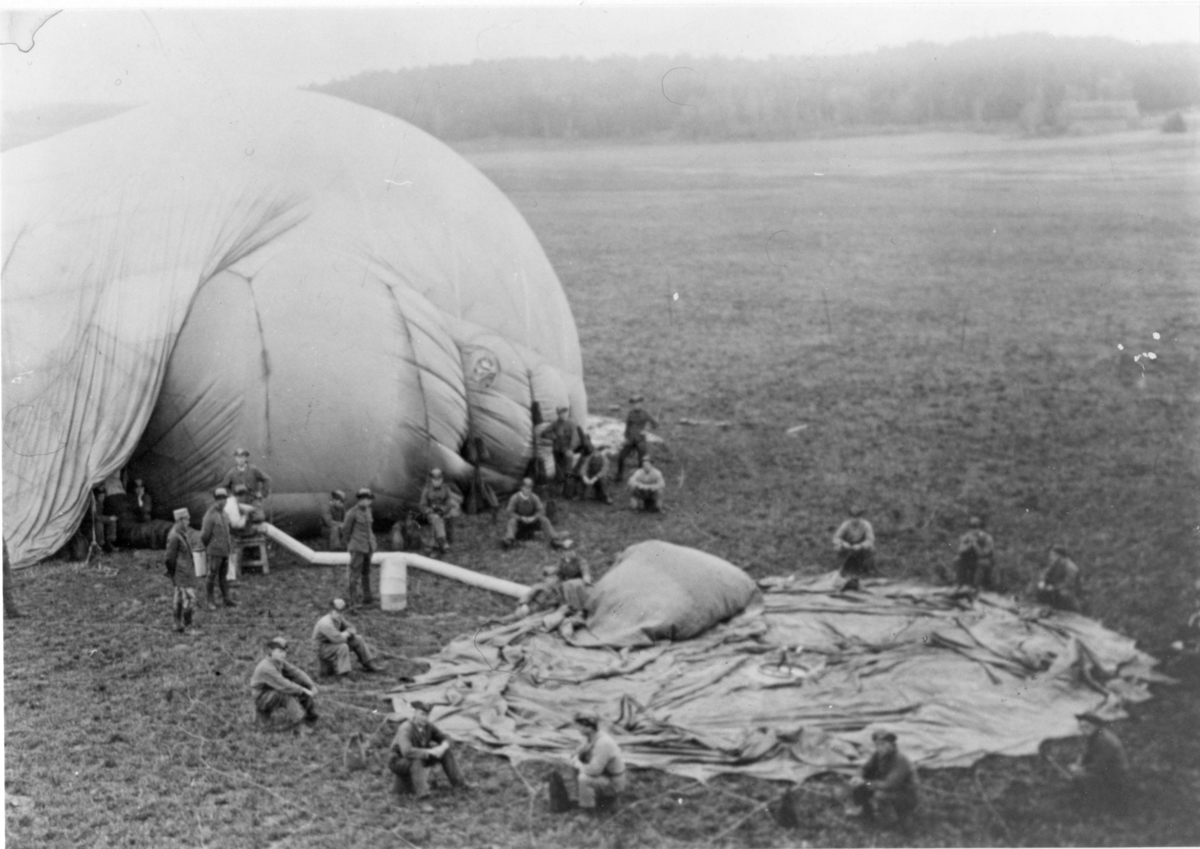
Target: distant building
1090 117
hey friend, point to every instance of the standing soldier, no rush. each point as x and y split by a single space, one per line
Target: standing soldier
182 575
256 481
218 543
360 542
976 559
439 505
636 422
561 435
332 516
854 541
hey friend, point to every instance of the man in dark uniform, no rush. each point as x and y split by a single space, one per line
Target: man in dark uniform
637 421
417 746
1060 586
525 510
256 481
854 541
591 470
561 435
332 516
974 565
1101 775
360 542
218 544
181 570
279 685
888 784
440 506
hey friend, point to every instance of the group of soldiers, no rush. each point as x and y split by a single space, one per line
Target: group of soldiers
1059 586
285 697
887 788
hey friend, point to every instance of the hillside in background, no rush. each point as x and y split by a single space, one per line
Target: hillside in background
1031 81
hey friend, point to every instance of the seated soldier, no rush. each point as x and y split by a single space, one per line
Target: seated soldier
591 472
332 516
526 513
279 685
1059 586
854 541
334 639
646 488
439 506
599 767
1101 775
543 597
417 746
975 561
888 785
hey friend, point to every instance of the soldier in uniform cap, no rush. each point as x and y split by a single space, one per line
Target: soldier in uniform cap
280 685
218 543
888 785
976 558
182 574
256 481
561 435
636 422
334 639
359 535
332 516
418 746
440 506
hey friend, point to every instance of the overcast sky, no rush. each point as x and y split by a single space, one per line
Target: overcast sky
122 56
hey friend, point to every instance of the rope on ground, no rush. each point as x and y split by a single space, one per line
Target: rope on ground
282 799
762 806
532 796
983 795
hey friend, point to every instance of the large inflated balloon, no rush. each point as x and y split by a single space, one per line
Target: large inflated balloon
321 283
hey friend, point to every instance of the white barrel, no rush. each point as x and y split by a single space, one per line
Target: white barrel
393 583
200 561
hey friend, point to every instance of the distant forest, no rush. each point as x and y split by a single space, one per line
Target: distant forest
1025 80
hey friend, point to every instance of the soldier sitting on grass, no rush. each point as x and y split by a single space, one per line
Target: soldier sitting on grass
887 788
334 639
418 746
646 488
279 685
1101 775
1059 586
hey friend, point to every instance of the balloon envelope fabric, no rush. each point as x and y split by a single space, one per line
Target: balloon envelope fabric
795 687
321 283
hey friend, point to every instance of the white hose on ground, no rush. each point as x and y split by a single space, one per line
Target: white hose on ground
437 567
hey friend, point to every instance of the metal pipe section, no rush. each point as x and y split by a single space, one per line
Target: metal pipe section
437 567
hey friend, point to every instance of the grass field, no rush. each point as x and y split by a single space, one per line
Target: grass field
942 313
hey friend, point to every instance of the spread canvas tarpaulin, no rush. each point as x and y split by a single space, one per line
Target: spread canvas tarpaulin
795 686
324 284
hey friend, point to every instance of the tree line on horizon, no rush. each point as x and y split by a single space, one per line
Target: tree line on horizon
1024 80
